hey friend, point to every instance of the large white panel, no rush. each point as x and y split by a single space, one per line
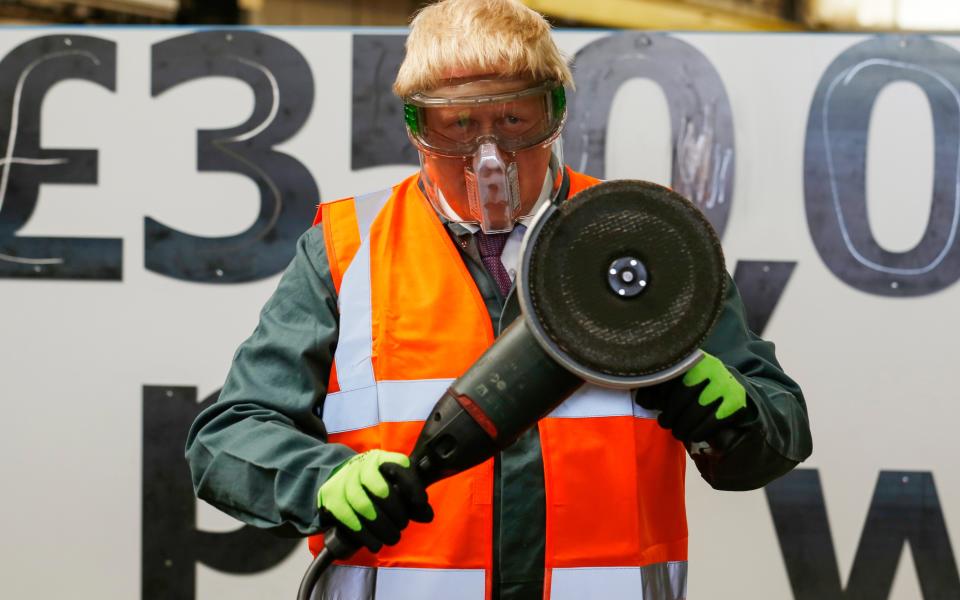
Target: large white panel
74 355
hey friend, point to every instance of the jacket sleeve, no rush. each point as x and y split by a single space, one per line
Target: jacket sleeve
260 452
776 437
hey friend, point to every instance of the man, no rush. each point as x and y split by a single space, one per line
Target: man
393 294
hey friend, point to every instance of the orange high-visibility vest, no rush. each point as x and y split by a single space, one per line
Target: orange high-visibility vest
411 321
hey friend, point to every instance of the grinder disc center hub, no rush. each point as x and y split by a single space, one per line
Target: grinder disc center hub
627 277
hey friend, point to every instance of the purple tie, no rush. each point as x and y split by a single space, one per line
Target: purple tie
491 246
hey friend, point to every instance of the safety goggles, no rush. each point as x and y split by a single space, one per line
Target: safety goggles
453 121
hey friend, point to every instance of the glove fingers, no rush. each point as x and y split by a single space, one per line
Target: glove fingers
669 412
725 397
340 509
734 401
384 456
700 371
682 397
710 394
706 429
357 496
371 478
409 488
654 397
690 418
392 508
382 528
363 537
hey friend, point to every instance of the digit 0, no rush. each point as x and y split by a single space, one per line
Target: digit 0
835 166
700 117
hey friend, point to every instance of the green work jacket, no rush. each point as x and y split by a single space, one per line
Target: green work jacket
260 453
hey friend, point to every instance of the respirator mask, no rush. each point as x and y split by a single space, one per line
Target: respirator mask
489 149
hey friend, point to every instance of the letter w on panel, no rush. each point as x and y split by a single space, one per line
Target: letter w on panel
905 509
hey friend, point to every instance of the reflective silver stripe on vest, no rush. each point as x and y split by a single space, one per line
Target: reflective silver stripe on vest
594 401
397 401
354 367
417 584
385 401
663 581
394 583
367 207
343 582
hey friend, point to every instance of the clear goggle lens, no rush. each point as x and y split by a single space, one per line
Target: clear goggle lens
455 126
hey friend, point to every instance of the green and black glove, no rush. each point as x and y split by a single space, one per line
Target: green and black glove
697 407
373 496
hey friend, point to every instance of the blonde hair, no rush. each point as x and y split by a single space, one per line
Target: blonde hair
486 36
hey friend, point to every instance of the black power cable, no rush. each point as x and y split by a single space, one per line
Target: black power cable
323 560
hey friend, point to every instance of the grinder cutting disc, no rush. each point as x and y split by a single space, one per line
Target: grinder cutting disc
622 283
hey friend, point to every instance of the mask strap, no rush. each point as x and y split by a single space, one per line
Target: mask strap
561 194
